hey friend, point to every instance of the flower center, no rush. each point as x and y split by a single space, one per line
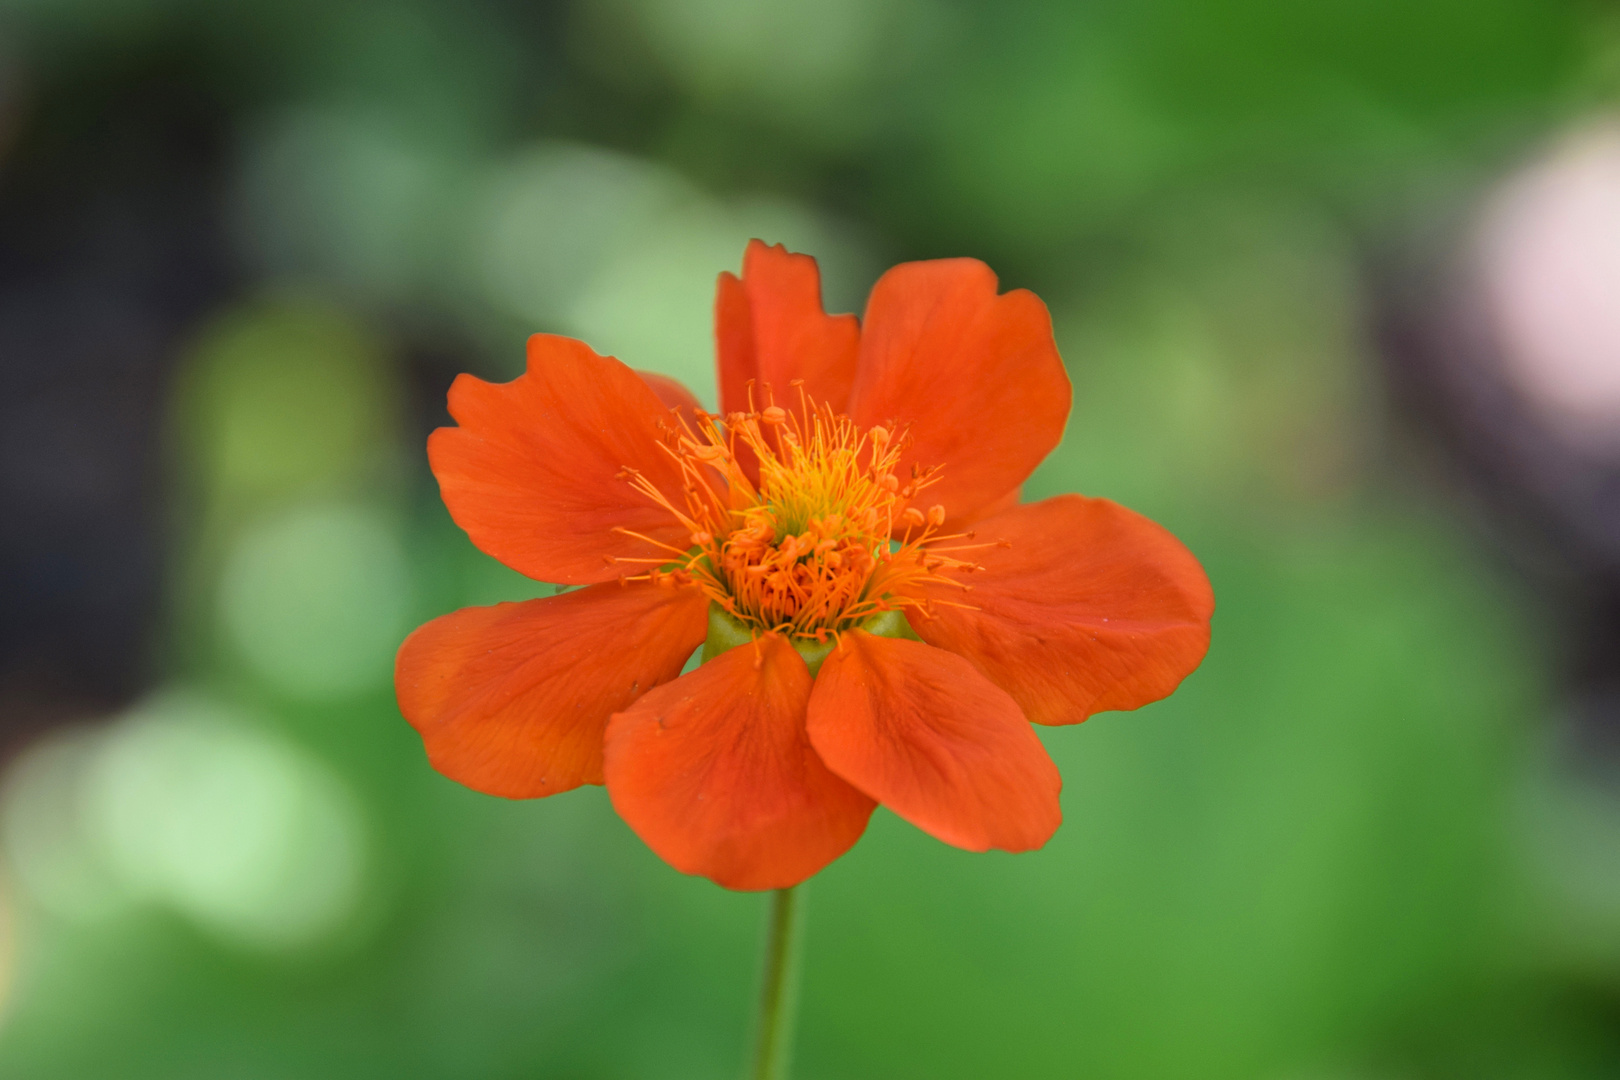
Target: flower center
799 521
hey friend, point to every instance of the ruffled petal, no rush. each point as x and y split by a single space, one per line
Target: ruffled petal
513 699
976 376
925 734
1090 607
534 471
716 774
769 326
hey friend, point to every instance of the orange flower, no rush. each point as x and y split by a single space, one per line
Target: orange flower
881 618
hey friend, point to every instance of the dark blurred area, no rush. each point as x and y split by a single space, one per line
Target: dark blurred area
113 248
1338 287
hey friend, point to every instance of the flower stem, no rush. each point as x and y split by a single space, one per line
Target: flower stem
778 994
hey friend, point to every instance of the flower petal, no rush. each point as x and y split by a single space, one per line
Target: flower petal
672 392
716 774
769 326
533 472
1012 499
512 700
925 734
1091 607
976 375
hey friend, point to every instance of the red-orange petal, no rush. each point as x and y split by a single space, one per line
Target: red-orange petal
672 392
770 327
533 472
513 699
925 734
1007 502
977 377
1090 607
716 774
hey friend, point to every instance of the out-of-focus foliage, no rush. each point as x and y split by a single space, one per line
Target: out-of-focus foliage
1345 850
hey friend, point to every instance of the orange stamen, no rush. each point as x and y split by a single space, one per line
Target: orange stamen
805 544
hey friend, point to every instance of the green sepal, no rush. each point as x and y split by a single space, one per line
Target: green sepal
726 633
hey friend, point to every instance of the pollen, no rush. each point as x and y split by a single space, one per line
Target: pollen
798 521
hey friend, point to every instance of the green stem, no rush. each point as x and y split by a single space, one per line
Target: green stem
778 996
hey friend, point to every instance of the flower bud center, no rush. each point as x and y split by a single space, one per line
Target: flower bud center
800 522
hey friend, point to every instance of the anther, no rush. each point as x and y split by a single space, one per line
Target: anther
702 539
936 515
912 516
708 452
773 415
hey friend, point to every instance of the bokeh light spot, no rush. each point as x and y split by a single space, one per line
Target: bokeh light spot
188 803
317 599
1551 249
279 395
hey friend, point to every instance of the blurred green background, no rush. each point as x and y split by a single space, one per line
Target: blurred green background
245 247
